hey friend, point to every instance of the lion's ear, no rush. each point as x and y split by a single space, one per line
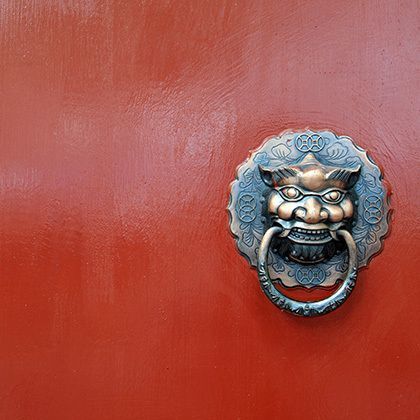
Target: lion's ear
272 177
267 175
347 175
355 173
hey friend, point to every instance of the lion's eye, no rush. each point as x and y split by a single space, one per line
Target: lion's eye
334 196
291 193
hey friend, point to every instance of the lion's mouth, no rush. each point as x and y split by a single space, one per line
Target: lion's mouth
310 236
308 253
308 246
305 243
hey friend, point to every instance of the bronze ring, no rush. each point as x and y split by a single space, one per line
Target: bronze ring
296 307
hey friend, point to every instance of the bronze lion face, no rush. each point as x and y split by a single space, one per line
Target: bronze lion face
311 201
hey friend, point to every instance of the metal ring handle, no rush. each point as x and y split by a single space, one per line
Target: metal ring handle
296 307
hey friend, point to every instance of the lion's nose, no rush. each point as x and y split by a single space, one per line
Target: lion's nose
311 211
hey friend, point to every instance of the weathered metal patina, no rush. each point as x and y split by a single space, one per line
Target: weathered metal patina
308 209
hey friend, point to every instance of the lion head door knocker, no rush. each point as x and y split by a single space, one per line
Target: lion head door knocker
308 209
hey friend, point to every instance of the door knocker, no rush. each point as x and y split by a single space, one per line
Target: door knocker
308 209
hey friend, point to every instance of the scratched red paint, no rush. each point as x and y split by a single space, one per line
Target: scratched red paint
121 124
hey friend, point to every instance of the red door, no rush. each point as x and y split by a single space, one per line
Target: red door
122 295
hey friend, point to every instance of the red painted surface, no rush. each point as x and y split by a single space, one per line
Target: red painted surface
121 124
